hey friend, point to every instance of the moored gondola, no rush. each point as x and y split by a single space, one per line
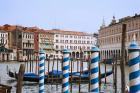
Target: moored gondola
56 76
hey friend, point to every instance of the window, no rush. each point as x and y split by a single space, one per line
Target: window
20 36
70 41
56 52
84 42
79 41
71 47
62 47
75 36
75 41
79 47
67 47
66 36
88 42
56 41
88 48
56 46
66 41
56 35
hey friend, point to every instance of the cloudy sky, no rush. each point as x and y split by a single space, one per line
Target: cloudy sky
77 15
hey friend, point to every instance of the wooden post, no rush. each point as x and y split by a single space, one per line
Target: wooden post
27 65
122 63
99 76
105 72
57 74
52 76
62 75
71 75
30 62
5 88
77 64
113 69
80 60
49 59
20 78
89 74
36 68
116 73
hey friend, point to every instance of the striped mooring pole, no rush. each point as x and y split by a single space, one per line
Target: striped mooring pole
94 70
134 68
41 70
66 60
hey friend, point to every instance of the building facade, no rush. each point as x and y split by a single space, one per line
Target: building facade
4 52
78 42
110 36
27 50
20 41
45 42
25 42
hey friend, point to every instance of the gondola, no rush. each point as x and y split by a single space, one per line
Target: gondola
56 76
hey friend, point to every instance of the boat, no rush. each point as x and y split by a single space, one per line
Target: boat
56 76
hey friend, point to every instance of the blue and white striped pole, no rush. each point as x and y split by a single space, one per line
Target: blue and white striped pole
66 60
41 70
94 70
134 68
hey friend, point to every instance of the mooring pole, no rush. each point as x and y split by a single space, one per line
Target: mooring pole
99 77
105 72
71 75
80 75
115 80
49 59
94 70
134 68
41 71
27 65
66 60
122 63
36 68
57 74
20 78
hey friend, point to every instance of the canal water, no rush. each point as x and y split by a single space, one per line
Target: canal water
31 87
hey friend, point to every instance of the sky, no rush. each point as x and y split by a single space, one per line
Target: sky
75 15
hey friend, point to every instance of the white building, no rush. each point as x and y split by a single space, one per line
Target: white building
110 37
78 42
27 51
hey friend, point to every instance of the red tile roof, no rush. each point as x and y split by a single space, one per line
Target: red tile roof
8 27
